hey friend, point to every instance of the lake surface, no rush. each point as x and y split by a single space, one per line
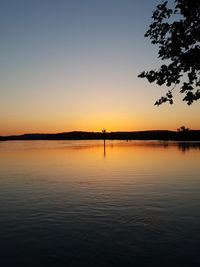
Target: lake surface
80 203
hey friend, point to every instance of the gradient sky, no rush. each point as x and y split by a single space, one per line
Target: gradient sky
73 65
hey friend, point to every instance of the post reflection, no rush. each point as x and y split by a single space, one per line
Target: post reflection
104 148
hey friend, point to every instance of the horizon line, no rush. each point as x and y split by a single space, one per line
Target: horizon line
98 132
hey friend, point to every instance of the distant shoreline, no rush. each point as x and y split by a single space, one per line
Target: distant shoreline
189 135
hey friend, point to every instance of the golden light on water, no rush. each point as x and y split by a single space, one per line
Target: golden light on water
77 158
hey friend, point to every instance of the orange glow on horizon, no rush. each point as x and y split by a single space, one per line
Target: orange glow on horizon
156 119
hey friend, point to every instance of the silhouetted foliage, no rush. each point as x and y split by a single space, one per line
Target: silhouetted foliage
183 129
177 33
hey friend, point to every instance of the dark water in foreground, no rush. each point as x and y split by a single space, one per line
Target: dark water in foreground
76 203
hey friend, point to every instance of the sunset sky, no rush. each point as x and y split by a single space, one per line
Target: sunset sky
73 64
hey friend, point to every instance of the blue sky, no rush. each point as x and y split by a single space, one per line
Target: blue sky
73 65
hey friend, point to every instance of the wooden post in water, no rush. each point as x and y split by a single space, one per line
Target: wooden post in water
104 142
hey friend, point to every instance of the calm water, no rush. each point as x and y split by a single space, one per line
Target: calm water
78 203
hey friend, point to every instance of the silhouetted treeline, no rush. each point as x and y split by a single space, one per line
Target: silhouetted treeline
191 135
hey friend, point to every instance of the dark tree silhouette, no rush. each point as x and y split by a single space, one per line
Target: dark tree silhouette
177 33
183 129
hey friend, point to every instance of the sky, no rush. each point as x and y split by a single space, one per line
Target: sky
72 65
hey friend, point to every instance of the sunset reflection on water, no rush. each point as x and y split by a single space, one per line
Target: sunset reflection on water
117 204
